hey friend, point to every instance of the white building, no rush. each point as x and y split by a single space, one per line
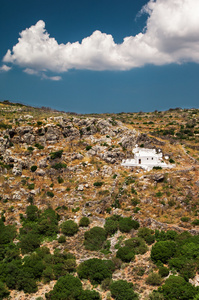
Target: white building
146 159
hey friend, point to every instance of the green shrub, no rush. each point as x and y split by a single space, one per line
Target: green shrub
89 295
69 228
147 235
84 222
29 242
98 183
111 226
137 245
94 238
60 179
171 161
126 254
4 293
67 287
50 194
62 239
195 222
96 270
126 224
38 146
163 251
154 279
30 148
59 166
123 290
32 213
185 219
33 168
88 147
163 271
31 186
176 287
56 154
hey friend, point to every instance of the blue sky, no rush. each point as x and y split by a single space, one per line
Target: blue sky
131 58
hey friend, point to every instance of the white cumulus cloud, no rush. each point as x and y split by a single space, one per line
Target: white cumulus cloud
171 35
5 68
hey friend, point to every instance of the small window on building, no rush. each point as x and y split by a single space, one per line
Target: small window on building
152 158
147 158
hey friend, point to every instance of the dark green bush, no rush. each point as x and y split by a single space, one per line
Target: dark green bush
67 287
154 279
123 290
137 244
69 228
195 222
185 219
60 179
163 271
96 270
176 287
163 251
88 147
59 166
62 239
111 226
32 213
50 194
126 254
94 238
126 224
98 183
33 168
84 222
4 293
29 242
38 146
147 235
56 154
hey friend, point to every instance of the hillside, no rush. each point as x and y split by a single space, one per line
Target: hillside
71 164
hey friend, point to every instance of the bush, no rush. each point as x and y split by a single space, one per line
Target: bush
195 222
176 287
126 254
29 242
137 245
84 222
147 235
59 166
38 146
57 154
126 224
67 287
33 168
123 290
88 147
32 213
96 270
60 179
163 251
154 279
62 239
4 293
69 228
111 226
98 183
89 295
163 271
94 238
50 194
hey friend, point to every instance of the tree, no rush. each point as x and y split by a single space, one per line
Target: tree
84 222
126 224
94 238
162 251
111 226
126 254
4 293
176 287
96 270
29 242
32 213
122 290
69 228
67 287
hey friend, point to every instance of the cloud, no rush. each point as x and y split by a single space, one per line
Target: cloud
5 68
170 36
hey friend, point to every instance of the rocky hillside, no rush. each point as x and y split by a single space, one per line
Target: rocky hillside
72 164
